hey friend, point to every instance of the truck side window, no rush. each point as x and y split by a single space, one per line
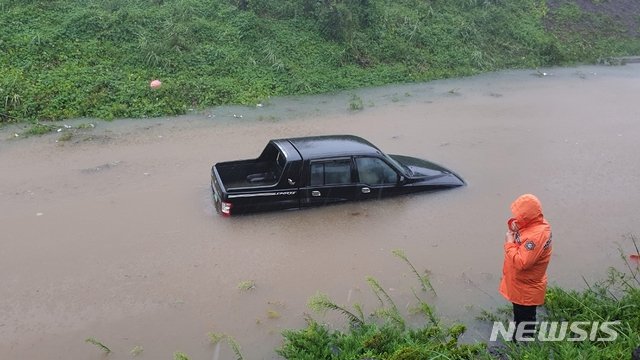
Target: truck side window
373 171
331 173
317 174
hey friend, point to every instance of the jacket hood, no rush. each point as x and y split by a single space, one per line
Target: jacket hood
527 210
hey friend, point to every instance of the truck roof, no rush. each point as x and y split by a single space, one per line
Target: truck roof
316 147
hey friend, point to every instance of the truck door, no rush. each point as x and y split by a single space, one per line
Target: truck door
329 181
376 178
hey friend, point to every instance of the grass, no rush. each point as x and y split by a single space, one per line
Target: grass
616 298
94 58
588 35
180 356
215 338
137 350
383 334
356 103
246 285
98 344
67 136
321 303
423 279
273 314
39 129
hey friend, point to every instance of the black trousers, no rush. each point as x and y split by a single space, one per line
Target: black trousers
523 313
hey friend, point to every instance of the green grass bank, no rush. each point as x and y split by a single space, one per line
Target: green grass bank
385 337
384 334
96 58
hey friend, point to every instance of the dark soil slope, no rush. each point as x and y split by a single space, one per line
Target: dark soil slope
615 16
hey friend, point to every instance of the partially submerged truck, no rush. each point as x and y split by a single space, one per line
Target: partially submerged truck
303 172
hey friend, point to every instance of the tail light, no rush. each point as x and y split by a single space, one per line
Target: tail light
225 208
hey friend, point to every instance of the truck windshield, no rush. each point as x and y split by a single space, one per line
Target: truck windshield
403 169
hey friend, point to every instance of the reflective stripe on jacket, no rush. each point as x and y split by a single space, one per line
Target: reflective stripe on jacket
524 278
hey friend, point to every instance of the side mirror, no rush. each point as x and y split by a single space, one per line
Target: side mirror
401 180
291 182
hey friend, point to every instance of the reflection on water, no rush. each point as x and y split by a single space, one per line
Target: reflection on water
134 255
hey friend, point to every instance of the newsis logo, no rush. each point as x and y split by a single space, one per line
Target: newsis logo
556 331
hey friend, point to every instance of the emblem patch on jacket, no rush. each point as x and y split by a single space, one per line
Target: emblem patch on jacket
529 245
548 243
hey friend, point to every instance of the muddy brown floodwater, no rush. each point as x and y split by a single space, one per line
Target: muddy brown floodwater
111 235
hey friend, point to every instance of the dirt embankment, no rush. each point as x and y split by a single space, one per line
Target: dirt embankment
621 16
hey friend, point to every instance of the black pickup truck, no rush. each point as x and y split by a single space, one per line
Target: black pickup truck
310 171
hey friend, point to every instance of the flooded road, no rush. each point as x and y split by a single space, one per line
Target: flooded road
111 235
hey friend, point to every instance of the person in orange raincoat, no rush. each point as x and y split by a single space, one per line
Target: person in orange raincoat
527 251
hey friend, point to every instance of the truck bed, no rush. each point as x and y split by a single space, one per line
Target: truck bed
247 174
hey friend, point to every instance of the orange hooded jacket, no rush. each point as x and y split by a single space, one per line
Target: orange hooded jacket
524 277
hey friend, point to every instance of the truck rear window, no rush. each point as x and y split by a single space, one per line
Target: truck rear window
281 160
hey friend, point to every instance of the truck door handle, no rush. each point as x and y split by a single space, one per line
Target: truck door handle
366 190
315 193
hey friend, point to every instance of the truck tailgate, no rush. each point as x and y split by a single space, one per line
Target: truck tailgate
218 189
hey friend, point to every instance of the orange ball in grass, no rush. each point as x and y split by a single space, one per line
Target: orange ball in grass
155 84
